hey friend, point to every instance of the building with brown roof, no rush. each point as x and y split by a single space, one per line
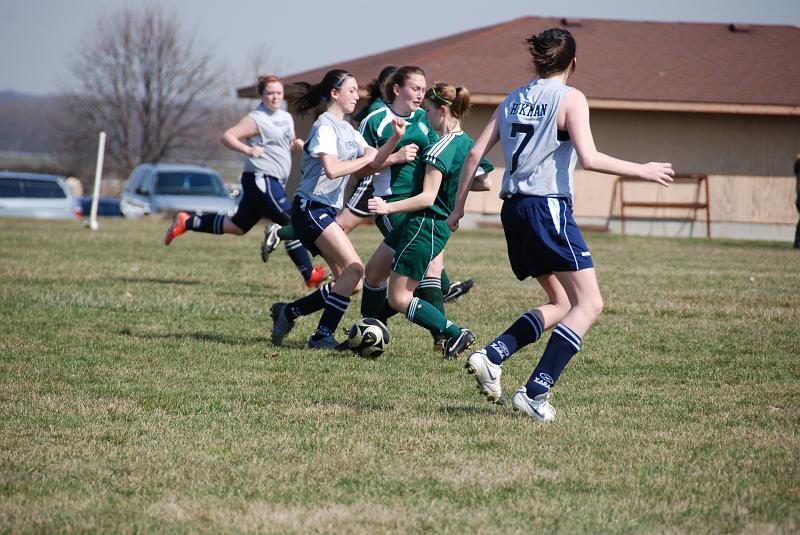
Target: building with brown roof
721 100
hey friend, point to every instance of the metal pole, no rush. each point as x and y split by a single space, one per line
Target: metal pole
98 174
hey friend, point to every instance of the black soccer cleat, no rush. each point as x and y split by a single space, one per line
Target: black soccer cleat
457 289
455 345
282 325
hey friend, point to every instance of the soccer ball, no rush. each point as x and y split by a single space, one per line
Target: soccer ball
368 337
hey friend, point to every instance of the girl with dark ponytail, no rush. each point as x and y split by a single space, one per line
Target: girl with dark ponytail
333 150
414 251
543 128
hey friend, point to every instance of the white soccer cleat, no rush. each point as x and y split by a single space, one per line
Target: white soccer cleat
487 375
538 407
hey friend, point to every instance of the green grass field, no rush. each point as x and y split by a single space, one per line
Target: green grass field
139 391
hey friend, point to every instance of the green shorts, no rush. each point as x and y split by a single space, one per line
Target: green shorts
421 240
387 223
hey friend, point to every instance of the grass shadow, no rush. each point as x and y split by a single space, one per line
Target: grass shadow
155 280
359 405
487 410
198 336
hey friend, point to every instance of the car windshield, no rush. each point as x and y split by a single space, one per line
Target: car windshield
178 183
27 188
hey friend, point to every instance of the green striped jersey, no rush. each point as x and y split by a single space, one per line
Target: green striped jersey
361 114
397 182
448 155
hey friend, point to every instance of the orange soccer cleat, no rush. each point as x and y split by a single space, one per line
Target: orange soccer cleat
177 228
318 275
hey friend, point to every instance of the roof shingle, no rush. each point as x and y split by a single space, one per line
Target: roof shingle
621 60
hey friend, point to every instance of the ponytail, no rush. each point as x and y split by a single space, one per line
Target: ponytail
461 103
456 99
375 87
552 51
312 96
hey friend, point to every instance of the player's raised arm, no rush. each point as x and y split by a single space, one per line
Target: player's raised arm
576 117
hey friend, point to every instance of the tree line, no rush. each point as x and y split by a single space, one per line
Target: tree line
142 78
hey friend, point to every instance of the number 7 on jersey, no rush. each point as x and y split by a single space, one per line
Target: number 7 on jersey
527 131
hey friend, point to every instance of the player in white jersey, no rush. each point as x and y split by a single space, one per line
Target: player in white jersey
543 128
333 151
266 136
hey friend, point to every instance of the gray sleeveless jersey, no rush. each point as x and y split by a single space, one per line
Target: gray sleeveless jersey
275 135
537 163
328 134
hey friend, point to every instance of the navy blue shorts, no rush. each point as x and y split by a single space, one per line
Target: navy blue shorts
361 195
309 219
262 196
542 237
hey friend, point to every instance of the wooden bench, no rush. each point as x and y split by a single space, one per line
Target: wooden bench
700 181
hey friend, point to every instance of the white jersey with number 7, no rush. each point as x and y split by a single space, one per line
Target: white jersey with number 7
539 158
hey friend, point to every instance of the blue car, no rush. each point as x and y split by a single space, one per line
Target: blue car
106 206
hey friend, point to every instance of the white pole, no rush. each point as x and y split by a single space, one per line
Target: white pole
98 175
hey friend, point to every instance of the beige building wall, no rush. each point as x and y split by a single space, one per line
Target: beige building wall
749 160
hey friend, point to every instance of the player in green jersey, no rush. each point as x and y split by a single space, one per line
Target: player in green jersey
416 246
404 92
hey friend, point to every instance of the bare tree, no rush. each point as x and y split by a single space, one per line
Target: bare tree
140 77
260 62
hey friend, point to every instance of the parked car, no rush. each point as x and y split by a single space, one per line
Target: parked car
37 195
169 188
106 206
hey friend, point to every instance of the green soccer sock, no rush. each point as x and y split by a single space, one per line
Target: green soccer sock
372 301
430 290
286 232
425 315
445 283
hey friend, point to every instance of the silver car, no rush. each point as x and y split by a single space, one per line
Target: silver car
37 195
169 188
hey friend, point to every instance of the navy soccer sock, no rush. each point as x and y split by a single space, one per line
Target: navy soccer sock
526 330
386 313
563 345
335 307
373 300
208 223
300 257
308 304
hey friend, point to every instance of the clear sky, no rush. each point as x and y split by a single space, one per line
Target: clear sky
38 38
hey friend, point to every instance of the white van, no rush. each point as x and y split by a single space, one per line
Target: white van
35 195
